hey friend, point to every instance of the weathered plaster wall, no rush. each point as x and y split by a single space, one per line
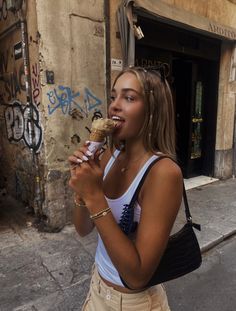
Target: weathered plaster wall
220 11
17 169
115 46
72 47
226 111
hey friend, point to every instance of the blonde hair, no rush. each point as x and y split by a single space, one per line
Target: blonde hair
158 130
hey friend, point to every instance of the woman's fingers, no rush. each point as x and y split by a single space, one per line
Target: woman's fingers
97 157
73 160
77 163
83 157
80 156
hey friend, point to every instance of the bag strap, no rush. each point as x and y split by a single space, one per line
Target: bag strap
136 193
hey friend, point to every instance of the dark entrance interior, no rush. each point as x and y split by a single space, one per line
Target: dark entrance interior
14 216
193 60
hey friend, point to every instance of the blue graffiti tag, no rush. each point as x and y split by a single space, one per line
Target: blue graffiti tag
63 98
90 100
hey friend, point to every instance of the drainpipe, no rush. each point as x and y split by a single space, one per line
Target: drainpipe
234 142
38 196
107 52
233 79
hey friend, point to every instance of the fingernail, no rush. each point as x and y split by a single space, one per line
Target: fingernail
85 158
89 153
79 160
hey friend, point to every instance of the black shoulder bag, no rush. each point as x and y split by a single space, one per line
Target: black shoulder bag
182 254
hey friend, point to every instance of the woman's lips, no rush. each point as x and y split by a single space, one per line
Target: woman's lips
119 122
118 126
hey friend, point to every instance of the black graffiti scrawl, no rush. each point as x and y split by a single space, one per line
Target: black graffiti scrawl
22 124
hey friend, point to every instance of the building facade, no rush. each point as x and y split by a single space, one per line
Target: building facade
57 65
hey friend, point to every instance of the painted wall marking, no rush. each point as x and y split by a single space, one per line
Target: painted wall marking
65 99
19 125
12 82
36 84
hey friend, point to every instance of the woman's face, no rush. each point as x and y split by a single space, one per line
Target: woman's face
127 107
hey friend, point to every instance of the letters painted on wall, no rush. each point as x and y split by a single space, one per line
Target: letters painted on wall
23 124
64 99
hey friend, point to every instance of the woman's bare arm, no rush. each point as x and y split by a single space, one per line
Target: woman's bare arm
160 200
81 220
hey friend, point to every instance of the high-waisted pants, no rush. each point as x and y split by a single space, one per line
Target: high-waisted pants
102 297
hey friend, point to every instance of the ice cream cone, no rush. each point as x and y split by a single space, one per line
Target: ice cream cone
97 135
99 130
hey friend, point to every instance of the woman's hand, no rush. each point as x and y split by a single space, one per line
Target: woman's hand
86 173
80 155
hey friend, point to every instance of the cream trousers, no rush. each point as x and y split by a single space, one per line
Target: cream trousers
105 298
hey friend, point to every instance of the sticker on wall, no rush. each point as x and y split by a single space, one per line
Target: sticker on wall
116 64
18 50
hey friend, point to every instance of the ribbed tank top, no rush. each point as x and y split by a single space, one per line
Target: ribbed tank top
103 262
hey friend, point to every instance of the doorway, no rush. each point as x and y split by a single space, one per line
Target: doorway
193 61
195 86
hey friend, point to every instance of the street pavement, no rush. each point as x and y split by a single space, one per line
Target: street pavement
212 286
51 271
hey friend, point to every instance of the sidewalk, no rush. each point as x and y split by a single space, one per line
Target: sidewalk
51 271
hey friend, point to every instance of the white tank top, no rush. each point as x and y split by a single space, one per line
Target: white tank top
103 262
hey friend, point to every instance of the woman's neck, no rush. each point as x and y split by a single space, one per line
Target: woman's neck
132 150
132 157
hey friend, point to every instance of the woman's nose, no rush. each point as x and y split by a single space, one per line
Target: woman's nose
115 104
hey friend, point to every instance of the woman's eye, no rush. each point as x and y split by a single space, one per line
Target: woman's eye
129 98
112 98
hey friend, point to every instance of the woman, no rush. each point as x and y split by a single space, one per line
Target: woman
141 103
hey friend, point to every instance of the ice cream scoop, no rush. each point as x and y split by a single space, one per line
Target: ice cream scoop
99 130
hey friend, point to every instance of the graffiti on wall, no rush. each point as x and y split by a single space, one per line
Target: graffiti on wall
12 83
64 99
3 10
36 84
23 124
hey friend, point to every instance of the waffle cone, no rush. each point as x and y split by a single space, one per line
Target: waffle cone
97 135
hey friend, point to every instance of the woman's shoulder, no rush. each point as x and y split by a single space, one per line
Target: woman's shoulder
165 169
164 179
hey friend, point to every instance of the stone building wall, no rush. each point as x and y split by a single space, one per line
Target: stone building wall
72 62
66 90
16 104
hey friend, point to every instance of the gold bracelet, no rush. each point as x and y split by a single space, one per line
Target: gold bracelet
102 213
80 204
